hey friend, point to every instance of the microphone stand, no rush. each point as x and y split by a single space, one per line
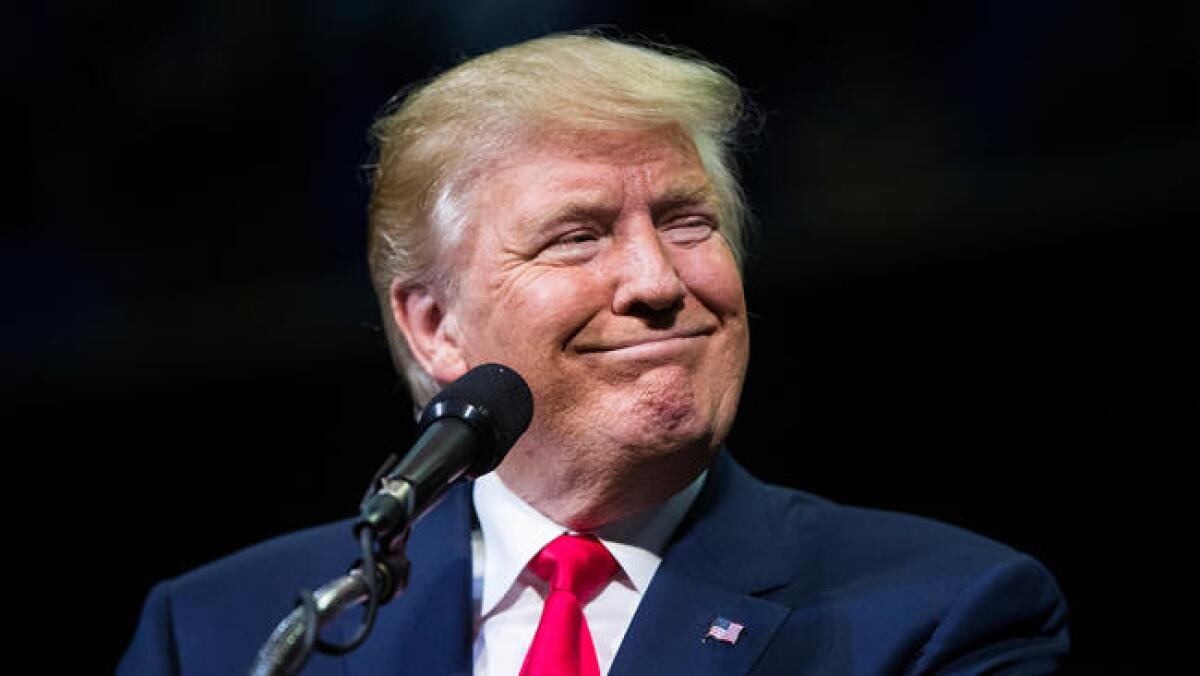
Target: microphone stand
288 648
461 433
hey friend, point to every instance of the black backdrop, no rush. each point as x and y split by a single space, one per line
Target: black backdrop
972 277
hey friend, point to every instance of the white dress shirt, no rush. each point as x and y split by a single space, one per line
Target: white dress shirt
508 597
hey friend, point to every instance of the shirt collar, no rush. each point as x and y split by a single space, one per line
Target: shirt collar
514 531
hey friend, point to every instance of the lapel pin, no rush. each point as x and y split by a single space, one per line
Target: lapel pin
724 630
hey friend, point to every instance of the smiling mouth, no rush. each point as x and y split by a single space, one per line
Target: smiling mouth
649 344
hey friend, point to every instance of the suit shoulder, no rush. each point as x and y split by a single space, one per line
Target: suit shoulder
901 533
898 593
273 571
805 517
846 547
306 557
849 542
211 620
906 593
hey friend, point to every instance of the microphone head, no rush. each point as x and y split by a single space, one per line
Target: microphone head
495 401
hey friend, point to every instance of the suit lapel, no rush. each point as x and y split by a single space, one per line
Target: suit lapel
719 563
427 630
667 635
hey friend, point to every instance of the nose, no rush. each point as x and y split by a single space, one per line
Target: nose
647 280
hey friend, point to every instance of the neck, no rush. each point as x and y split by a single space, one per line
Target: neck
584 498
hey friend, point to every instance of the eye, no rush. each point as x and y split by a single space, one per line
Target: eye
574 246
575 238
688 230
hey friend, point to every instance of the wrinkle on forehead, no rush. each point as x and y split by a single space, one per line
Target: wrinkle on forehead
665 174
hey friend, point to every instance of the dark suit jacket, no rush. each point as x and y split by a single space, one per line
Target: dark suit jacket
820 589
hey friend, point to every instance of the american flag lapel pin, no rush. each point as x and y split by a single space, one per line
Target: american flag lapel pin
724 630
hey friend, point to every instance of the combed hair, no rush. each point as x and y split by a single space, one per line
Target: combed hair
432 143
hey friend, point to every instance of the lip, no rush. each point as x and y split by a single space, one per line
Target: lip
649 345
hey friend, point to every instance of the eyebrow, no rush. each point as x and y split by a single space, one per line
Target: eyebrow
682 197
582 210
598 210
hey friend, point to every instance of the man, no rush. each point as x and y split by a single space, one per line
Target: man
567 207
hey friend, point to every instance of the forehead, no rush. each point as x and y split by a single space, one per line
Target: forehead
601 167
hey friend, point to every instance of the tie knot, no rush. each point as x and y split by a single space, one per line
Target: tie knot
579 564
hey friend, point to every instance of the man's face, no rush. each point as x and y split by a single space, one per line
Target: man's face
593 267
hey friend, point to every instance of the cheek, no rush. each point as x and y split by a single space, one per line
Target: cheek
712 275
536 313
556 295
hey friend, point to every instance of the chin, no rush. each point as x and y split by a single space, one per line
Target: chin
663 428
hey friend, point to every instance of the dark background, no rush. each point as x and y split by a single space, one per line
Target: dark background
972 278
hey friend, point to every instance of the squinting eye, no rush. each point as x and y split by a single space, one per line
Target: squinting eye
690 231
574 246
576 238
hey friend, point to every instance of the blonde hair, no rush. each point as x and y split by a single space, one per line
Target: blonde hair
432 142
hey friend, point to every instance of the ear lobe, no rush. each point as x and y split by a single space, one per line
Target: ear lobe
430 331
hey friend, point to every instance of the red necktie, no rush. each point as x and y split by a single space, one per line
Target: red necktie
577 567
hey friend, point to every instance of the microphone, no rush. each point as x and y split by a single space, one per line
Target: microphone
466 429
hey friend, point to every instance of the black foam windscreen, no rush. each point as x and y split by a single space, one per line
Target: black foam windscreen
492 398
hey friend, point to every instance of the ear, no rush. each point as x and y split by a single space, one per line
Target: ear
431 332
